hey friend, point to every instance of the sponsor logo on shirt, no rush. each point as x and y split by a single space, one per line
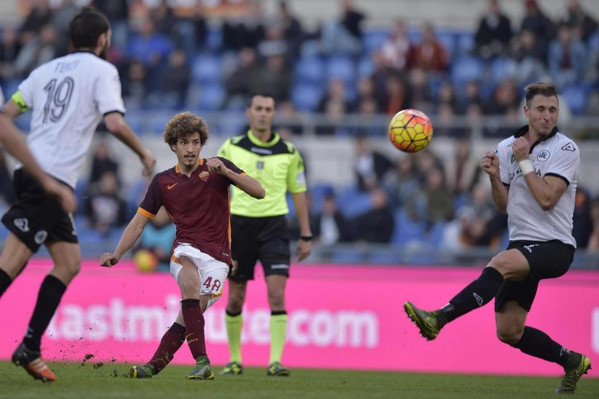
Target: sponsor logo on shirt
170 186
260 165
569 147
280 266
22 224
40 236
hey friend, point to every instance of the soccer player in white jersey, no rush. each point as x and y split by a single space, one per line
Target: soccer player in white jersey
68 97
533 177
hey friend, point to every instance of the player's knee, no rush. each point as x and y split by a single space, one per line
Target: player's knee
510 336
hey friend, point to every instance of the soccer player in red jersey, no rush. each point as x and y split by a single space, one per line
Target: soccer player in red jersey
195 193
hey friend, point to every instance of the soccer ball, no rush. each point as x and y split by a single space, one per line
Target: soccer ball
145 261
410 130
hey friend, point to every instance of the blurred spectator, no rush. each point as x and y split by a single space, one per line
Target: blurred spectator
464 232
376 225
567 57
292 30
402 181
494 32
329 226
239 83
244 31
102 162
472 95
335 93
344 36
184 26
274 78
578 19
398 95
134 84
335 122
421 97
430 54
582 220
539 24
149 47
9 50
117 12
365 92
370 165
398 50
439 200
379 78
37 51
529 58
39 15
175 79
447 95
505 99
289 123
60 22
273 43
155 243
104 207
447 117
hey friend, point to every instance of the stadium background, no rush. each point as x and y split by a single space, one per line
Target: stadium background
328 130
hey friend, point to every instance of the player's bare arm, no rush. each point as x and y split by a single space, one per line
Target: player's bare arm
130 235
490 165
545 190
244 182
14 141
117 125
11 109
304 244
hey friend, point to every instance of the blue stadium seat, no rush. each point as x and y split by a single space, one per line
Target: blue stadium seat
435 234
365 67
214 38
340 67
353 202
465 69
206 68
576 96
158 121
310 70
465 43
448 39
211 96
389 257
305 97
374 39
406 230
347 255
502 68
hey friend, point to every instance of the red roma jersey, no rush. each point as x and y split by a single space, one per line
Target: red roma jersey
198 205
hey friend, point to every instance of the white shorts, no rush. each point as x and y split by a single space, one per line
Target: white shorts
213 273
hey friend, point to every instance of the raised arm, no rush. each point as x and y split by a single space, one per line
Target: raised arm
490 165
117 125
243 181
130 235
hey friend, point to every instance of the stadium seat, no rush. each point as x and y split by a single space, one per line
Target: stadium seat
158 121
448 39
347 255
306 97
214 38
310 70
406 230
465 69
342 68
211 96
374 39
365 67
353 202
206 68
502 68
387 257
465 44
576 96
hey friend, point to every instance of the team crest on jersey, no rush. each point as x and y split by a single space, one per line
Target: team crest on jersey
543 156
204 175
260 165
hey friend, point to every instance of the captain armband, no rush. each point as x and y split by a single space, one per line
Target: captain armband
18 99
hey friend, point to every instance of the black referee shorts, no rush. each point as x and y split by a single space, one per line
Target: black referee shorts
263 239
549 259
34 218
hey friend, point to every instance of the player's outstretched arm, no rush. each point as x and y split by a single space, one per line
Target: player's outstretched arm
122 131
130 235
14 142
243 181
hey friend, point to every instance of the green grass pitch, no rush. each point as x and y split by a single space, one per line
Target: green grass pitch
96 380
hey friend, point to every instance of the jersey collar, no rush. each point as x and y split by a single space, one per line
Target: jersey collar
200 162
524 129
272 140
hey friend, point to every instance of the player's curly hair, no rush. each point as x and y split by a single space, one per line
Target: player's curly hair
182 125
546 89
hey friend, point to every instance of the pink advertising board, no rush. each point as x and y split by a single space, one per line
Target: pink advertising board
340 317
